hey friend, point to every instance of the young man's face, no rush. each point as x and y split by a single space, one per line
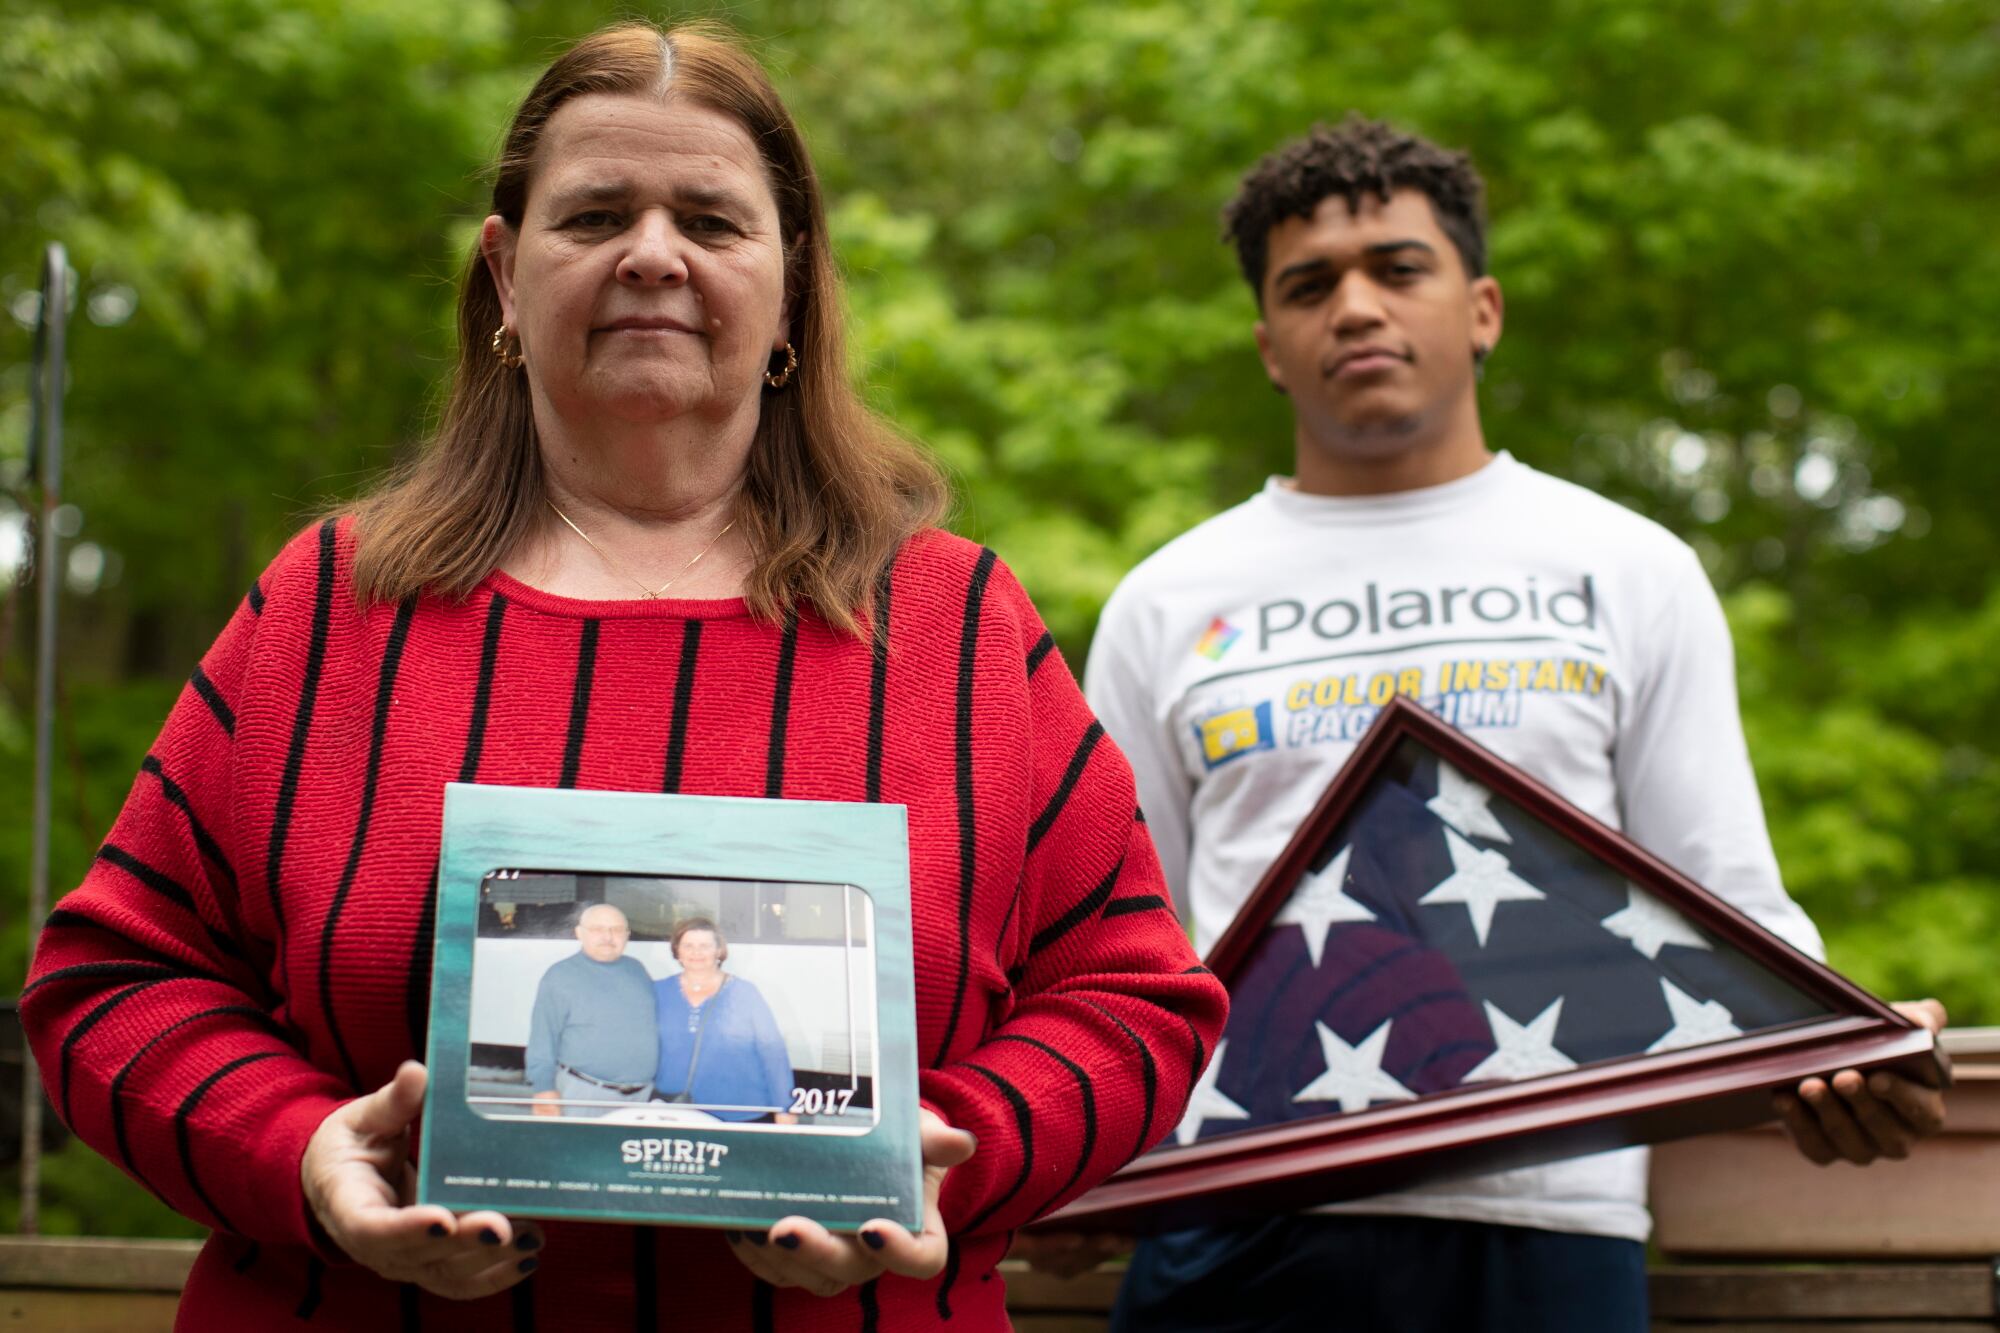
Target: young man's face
1370 322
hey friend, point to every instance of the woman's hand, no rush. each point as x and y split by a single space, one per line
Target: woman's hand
359 1182
799 1252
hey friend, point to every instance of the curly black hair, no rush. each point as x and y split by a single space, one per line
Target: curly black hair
1360 155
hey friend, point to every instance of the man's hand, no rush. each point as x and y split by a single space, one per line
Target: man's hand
1848 1117
1067 1253
799 1252
359 1182
548 1103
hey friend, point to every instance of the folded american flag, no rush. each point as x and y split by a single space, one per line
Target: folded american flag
1442 938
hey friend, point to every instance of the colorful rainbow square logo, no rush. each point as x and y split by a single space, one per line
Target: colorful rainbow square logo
1219 638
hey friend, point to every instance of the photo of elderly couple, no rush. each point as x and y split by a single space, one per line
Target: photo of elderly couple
626 999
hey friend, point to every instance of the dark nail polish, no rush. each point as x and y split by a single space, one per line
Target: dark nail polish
754 1237
732 1236
529 1265
789 1241
527 1241
437 1228
873 1239
488 1236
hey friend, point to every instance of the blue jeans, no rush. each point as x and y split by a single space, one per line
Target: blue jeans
1307 1272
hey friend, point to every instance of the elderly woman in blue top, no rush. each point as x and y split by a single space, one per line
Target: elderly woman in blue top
719 1043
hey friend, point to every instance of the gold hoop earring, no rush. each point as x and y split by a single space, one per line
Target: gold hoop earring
784 377
507 347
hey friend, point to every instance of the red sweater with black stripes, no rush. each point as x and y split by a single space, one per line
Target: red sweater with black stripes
252 945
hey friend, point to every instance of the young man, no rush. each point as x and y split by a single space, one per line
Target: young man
1236 667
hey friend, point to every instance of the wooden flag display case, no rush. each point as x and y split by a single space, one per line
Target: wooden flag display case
1451 970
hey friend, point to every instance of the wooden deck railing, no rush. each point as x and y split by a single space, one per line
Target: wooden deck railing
130 1286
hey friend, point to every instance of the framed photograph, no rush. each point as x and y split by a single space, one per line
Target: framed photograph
1451 970
684 1010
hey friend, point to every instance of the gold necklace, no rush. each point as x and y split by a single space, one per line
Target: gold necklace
650 593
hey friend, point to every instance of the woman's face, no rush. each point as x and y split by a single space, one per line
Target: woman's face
647 279
698 950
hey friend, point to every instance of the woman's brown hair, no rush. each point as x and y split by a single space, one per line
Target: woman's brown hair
830 491
689 927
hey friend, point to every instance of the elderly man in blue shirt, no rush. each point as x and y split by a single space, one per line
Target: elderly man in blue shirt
593 1040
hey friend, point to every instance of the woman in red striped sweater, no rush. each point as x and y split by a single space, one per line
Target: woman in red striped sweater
658 544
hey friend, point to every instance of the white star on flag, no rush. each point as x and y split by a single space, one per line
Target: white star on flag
1482 880
1207 1102
1524 1051
1354 1075
1651 924
1319 902
1696 1022
1461 802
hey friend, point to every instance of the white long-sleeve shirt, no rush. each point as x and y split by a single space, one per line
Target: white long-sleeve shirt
1238 666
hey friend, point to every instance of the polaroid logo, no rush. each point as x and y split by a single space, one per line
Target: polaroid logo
1416 608
1219 638
673 1157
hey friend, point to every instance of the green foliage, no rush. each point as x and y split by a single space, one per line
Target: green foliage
1749 289
103 734
1880 792
84 1195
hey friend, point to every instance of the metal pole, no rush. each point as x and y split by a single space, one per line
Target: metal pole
45 413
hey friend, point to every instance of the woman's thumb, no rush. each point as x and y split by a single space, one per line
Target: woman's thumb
390 1108
944 1146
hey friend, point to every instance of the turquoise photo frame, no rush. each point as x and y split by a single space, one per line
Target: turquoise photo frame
716 1175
